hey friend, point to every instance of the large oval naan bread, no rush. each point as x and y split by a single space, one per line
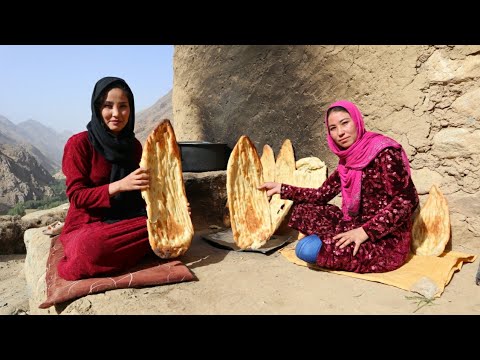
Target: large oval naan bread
170 228
268 163
431 226
248 206
284 168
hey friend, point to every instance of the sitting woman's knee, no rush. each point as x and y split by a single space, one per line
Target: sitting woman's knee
308 248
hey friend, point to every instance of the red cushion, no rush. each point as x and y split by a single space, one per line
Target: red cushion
150 272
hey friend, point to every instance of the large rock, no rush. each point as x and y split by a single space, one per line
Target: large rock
11 234
45 217
12 228
38 248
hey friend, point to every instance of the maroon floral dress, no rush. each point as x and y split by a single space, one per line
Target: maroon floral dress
388 199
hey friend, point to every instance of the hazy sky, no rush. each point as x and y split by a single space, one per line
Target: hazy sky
53 84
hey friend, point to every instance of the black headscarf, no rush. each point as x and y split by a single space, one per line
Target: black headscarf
119 150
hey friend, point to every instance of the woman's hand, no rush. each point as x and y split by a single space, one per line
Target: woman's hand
357 236
189 209
271 187
138 179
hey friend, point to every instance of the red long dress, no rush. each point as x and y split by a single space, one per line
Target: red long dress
388 199
92 247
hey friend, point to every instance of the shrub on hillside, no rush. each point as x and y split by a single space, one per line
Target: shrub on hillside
18 209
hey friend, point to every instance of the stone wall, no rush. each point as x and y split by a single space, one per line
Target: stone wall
12 228
425 97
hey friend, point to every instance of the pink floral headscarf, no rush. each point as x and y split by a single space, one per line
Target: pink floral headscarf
352 160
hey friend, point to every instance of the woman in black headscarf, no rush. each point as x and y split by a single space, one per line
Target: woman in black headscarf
105 229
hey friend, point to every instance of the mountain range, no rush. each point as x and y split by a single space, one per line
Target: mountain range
44 143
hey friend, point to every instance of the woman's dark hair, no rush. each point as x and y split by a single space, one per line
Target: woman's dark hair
101 99
336 109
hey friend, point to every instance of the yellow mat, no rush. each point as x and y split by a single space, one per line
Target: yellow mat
426 275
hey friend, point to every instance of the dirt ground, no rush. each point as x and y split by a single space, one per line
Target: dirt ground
13 295
231 282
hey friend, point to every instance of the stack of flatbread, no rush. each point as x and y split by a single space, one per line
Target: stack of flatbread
431 225
170 228
254 217
310 172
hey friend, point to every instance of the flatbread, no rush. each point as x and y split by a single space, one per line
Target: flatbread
310 172
268 163
249 208
284 168
431 226
170 228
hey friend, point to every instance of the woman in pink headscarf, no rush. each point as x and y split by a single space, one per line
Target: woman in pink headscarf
372 231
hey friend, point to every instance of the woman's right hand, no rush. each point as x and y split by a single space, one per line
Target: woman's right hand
271 187
138 179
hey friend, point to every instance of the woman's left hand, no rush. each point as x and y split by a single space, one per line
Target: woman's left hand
357 236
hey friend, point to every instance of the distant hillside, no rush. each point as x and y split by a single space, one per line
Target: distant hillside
146 120
21 177
44 143
9 129
46 139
